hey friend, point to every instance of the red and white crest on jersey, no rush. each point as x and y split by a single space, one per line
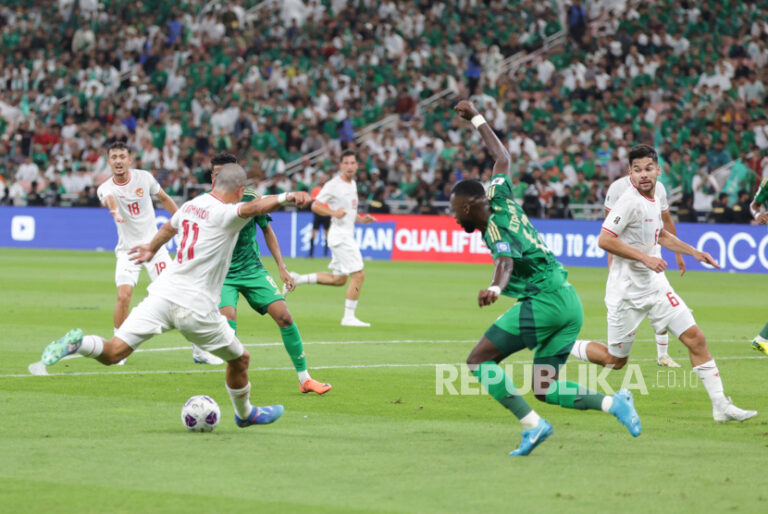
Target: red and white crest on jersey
139 192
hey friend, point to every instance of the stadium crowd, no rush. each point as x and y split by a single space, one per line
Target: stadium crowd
278 82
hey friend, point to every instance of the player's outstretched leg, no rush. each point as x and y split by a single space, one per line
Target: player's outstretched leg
760 342
68 344
239 389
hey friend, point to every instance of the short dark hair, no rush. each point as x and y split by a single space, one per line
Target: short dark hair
118 145
641 151
223 158
470 188
347 153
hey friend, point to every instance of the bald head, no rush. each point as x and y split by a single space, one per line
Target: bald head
230 178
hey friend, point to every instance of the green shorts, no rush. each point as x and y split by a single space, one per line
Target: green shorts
259 289
547 323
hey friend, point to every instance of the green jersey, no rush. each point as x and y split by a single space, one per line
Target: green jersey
245 258
762 193
510 234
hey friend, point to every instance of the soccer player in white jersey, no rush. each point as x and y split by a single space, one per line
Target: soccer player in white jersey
618 188
636 290
128 195
340 193
186 295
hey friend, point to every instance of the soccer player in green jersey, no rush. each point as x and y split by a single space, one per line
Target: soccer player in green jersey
247 276
548 315
760 342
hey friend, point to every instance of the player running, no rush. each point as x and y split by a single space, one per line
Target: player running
635 289
618 188
548 315
247 276
128 195
340 193
757 207
186 296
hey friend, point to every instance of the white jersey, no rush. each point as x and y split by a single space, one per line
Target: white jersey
338 193
621 185
208 230
134 204
636 221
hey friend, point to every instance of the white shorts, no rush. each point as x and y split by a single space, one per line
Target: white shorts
127 272
664 309
346 257
155 315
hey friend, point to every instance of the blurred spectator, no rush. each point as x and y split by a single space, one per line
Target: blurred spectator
721 211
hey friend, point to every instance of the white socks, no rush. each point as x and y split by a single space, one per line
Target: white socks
92 346
530 420
304 376
349 308
710 376
579 349
760 339
241 400
662 342
310 278
607 404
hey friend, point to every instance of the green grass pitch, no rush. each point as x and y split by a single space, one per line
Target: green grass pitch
98 439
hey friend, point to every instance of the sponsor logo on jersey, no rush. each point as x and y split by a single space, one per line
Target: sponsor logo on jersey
648 220
139 192
502 246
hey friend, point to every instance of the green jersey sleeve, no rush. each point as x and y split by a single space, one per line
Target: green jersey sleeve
502 242
500 189
261 220
762 193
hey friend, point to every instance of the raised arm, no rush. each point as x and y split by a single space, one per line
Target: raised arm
167 202
467 110
111 204
269 203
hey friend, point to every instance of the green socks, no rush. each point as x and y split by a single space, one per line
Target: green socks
294 346
498 384
572 395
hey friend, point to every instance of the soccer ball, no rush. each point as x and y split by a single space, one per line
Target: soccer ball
200 414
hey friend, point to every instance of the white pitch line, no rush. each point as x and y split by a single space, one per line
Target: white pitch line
287 368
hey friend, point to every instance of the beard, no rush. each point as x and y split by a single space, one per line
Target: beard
467 226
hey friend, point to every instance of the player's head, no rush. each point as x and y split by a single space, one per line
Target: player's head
469 205
230 182
119 158
348 164
644 168
219 160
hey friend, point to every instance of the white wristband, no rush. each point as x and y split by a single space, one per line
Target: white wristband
495 290
282 198
477 120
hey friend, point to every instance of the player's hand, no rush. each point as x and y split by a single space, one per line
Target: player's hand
486 297
300 198
141 254
118 218
367 219
287 279
655 264
762 218
340 213
466 110
706 258
680 263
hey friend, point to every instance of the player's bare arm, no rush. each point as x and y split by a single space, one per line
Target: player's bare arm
671 242
501 273
365 220
323 210
616 246
274 248
760 217
270 203
469 112
669 226
144 253
167 202
111 204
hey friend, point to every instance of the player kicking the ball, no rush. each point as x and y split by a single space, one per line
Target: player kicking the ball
128 195
635 289
186 296
548 315
248 277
